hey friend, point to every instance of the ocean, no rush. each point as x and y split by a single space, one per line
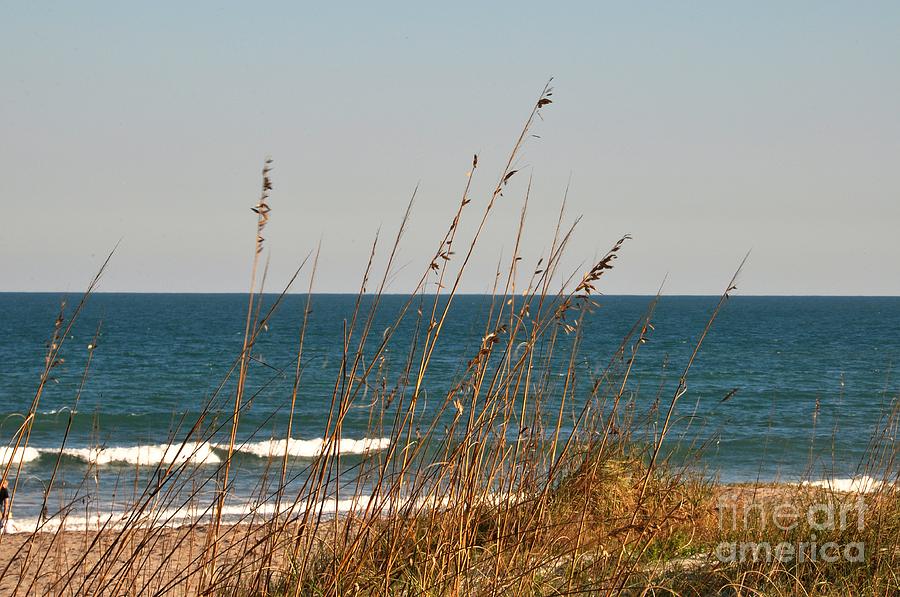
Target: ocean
783 388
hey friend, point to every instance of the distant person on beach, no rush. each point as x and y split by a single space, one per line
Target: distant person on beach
4 504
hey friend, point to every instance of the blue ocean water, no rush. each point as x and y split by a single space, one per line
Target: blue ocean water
813 375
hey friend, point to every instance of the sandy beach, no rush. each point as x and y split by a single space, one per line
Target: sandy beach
139 562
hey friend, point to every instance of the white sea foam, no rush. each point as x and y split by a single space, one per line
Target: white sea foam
8 453
175 518
148 455
239 513
861 484
194 452
310 448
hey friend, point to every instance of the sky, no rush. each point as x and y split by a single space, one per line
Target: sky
703 129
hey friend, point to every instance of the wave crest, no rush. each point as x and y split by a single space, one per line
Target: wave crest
310 448
148 455
8 454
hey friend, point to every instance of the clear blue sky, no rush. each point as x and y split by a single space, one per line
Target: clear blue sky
704 129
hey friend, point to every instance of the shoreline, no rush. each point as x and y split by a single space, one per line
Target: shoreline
236 514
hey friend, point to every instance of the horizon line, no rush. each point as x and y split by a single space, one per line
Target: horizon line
483 294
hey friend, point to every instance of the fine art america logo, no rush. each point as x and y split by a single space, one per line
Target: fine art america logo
823 518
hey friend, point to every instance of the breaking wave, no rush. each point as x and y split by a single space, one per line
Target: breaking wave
193 452
310 448
148 455
8 454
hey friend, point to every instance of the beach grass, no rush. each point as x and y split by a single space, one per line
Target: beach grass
520 481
